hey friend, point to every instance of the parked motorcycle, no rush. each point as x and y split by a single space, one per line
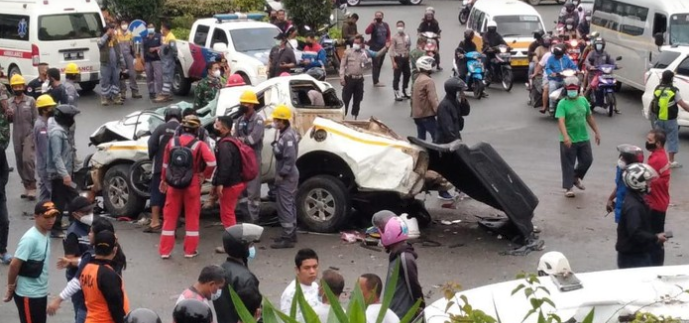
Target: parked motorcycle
330 47
560 93
475 71
604 93
500 69
464 12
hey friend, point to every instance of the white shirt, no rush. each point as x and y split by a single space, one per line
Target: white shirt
310 294
372 315
323 310
544 59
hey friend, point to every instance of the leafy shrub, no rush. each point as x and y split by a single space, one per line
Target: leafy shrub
181 33
148 10
313 13
196 8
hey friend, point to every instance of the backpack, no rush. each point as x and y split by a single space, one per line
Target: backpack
248 157
180 169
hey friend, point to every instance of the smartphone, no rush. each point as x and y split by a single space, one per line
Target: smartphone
668 234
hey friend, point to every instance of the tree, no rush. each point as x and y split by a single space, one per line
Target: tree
148 11
312 13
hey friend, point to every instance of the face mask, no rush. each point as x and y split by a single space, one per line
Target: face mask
379 20
216 295
356 47
252 253
400 30
216 73
278 42
124 26
87 219
243 109
599 47
569 27
621 164
572 93
650 146
151 30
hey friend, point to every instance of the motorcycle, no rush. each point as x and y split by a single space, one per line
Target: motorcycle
500 69
573 50
604 94
560 93
475 71
466 9
330 46
431 41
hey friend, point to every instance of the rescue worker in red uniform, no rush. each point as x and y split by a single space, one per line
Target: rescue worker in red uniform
104 295
188 197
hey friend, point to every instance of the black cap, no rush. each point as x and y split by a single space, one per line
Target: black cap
67 109
668 75
46 208
80 203
104 243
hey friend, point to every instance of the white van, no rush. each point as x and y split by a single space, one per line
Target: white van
56 32
629 26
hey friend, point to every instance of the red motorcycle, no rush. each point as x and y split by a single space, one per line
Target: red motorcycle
573 50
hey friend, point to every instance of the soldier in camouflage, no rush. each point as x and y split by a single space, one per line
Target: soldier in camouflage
5 117
208 87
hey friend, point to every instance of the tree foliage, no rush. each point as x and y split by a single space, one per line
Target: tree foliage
149 10
312 13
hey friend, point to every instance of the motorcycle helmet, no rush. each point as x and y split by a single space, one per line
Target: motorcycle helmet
65 113
559 50
547 41
538 34
594 35
392 228
235 80
425 63
142 315
192 311
237 239
430 10
454 85
599 44
638 177
173 112
553 263
572 83
631 154
317 73
569 6
492 26
191 122
468 34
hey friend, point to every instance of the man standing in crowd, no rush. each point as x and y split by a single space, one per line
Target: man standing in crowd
664 111
425 99
430 24
282 57
207 287
57 90
306 262
336 284
227 179
208 87
24 114
372 287
5 119
157 144
46 109
61 163
125 40
281 20
400 46
27 276
380 36
154 70
658 198
184 173
352 66
313 55
111 61
414 55
71 76
39 85
286 150
250 129
168 54
635 237
573 113
349 28
629 154
238 243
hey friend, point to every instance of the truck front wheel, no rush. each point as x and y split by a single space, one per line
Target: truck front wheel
180 84
323 203
119 197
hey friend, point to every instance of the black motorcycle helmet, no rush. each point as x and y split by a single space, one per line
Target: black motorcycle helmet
538 34
192 311
65 113
559 50
142 315
237 239
569 6
173 112
453 86
599 41
631 154
547 41
468 34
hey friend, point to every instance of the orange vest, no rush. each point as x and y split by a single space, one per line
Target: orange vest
96 306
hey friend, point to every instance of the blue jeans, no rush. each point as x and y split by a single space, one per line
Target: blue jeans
532 66
424 125
671 132
79 313
553 85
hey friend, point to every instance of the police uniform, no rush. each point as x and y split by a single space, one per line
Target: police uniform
36 88
352 68
286 150
127 48
399 53
25 114
205 91
251 130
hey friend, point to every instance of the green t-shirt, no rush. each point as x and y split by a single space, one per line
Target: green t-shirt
575 113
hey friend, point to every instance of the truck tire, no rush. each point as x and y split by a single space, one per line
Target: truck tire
180 84
119 198
323 203
87 87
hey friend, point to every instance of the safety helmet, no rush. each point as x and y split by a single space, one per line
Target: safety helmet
547 41
599 41
569 6
454 85
317 73
553 263
392 228
468 34
173 112
594 34
492 24
45 101
248 96
17 80
192 311
572 82
430 10
538 34
235 80
559 50
142 315
282 112
425 63
237 239
191 122
638 177
631 154
72 68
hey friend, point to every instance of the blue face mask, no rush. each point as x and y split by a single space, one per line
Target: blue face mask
252 253
572 93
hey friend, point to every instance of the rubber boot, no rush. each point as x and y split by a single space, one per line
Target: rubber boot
118 100
136 95
104 101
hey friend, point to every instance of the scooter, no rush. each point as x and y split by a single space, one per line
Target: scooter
560 93
464 12
604 94
475 71
573 50
431 41
500 69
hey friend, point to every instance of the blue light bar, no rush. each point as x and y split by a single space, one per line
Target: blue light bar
239 16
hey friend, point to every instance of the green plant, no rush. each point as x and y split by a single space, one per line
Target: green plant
185 21
335 33
181 33
650 318
356 312
196 8
313 13
148 11
248 5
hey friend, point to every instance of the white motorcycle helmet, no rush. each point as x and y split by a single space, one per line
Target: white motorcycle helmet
425 63
553 263
638 177
492 23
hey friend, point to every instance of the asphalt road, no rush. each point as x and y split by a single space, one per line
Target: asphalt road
527 140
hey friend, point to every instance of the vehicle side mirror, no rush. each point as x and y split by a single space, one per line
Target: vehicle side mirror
220 47
619 58
659 39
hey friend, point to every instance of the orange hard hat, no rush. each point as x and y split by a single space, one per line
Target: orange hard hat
235 80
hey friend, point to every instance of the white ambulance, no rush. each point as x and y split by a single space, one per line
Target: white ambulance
56 32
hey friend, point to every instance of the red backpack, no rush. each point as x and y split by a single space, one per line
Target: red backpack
249 164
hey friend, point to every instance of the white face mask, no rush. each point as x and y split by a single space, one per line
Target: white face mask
252 253
151 30
87 219
216 73
216 295
621 164
356 46
599 47
400 30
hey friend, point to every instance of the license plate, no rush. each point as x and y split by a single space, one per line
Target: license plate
520 62
74 56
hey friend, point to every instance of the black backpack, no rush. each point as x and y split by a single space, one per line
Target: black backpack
180 169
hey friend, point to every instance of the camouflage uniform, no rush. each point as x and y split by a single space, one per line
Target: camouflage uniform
4 122
205 91
4 169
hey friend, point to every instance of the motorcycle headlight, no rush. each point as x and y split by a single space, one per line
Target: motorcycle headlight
606 70
574 43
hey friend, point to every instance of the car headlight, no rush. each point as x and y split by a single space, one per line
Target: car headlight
262 70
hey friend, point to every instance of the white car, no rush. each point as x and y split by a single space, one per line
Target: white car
676 59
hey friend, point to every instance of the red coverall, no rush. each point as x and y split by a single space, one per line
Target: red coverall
189 198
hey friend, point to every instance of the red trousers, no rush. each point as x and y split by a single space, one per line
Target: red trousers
228 203
190 199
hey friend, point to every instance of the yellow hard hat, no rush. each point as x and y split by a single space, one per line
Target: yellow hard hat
45 101
282 112
17 80
191 122
72 69
249 97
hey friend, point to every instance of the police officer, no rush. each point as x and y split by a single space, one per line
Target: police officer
24 115
192 311
168 54
128 49
142 315
72 75
355 61
46 109
39 85
250 128
285 149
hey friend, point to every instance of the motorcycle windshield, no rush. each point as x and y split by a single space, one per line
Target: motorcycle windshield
473 55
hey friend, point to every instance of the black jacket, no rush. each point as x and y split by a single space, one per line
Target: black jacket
634 232
59 94
34 88
408 289
432 26
492 39
465 47
239 277
451 118
158 141
229 164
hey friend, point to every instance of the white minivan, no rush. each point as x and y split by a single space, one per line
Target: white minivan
56 32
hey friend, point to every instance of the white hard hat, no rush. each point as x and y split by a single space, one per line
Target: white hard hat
430 10
553 263
492 23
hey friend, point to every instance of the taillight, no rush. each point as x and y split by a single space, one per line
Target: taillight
35 55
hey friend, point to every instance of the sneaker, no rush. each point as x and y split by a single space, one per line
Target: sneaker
196 253
569 193
445 195
283 244
405 95
579 184
398 97
164 256
278 239
6 258
379 85
220 250
675 164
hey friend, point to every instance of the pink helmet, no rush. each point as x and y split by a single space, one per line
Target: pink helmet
392 229
285 74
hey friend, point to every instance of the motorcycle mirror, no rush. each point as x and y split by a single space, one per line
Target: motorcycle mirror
619 58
